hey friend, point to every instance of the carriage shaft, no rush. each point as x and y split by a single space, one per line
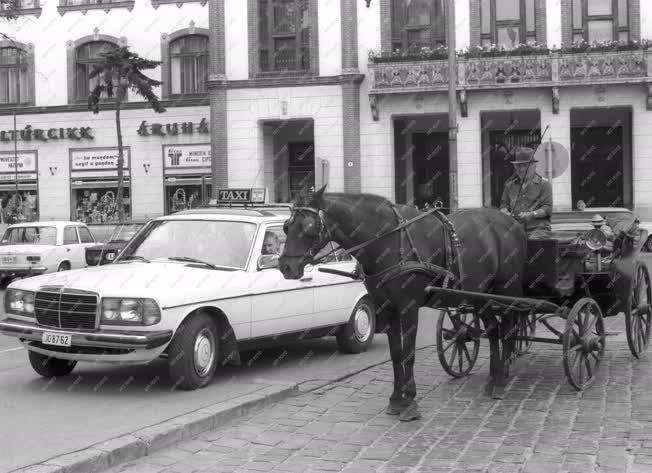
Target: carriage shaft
537 305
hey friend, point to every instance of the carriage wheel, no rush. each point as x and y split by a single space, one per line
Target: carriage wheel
638 313
527 327
584 342
458 341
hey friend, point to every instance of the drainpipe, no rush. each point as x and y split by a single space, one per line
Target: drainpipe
452 106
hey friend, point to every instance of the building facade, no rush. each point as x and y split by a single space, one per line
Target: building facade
292 94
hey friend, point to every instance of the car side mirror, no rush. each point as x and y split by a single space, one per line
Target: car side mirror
268 261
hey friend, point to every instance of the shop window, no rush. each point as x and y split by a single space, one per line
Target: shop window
18 207
189 65
87 55
14 76
601 20
70 236
85 235
98 204
417 24
508 22
287 31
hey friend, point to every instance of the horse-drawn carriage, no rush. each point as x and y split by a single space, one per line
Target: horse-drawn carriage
580 275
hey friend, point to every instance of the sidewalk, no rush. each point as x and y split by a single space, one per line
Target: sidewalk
542 426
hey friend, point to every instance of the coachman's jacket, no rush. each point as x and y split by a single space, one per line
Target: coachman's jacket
536 194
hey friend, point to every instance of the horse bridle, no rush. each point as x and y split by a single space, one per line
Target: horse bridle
320 237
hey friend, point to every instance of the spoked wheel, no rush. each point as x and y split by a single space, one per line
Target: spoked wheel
638 313
527 327
458 341
584 342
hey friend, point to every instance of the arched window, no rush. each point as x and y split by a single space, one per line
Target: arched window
189 65
86 56
14 77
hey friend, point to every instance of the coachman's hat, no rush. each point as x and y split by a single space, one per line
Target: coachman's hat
523 156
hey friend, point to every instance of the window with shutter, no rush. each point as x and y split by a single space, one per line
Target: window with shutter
417 24
601 20
507 23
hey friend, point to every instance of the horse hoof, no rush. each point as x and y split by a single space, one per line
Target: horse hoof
489 389
498 392
392 410
410 413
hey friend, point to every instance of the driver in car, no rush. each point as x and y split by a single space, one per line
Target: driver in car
271 244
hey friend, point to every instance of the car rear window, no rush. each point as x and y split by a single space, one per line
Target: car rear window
30 236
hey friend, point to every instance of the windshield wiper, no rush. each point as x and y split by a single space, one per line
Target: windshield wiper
187 259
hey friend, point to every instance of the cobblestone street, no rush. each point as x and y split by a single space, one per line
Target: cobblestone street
542 426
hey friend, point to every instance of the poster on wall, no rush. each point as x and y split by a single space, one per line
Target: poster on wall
187 156
23 161
97 159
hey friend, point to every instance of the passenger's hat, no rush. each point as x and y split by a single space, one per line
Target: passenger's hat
523 155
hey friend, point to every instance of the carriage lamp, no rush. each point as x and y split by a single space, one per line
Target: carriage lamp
596 239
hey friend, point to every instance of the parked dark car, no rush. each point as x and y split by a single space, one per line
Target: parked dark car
115 237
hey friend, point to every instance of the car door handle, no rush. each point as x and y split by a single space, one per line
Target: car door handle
306 278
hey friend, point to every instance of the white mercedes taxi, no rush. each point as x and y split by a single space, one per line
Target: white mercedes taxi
197 287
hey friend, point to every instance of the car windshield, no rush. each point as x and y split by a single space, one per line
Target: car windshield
125 232
220 243
30 236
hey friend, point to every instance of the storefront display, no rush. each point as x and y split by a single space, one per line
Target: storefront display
187 176
94 185
18 203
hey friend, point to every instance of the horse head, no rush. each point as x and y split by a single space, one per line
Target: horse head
306 234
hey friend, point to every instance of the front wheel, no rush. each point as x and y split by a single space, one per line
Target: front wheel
356 336
49 367
193 352
584 343
458 341
638 313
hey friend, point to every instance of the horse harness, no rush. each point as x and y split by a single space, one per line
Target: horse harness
406 265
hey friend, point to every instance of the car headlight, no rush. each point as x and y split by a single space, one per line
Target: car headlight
19 302
130 311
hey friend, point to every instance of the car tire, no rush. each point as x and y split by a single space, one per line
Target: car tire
193 353
5 281
356 336
50 367
64 267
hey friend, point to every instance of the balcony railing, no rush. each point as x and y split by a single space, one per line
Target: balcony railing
554 70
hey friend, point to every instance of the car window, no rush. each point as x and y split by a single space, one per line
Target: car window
30 236
274 241
70 236
85 235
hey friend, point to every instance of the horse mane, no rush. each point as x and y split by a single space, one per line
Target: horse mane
352 199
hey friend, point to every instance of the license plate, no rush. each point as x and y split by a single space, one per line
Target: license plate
9 259
110 256
59 339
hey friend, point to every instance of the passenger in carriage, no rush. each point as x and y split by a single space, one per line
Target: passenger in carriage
528 196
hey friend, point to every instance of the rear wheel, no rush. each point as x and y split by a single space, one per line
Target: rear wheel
638 313
458 341
65 266
584 343
356 336
5 281
193 352
49 367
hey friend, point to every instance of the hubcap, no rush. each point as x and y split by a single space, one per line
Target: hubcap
204 352
361 324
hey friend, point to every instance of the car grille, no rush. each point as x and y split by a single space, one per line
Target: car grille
66 309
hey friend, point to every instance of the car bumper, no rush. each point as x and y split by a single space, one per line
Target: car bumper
22 271
106 339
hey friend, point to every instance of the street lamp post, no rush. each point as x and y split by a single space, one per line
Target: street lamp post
452 106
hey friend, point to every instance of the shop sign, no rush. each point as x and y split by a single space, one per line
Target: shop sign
187 156
176 128
96 159
40 134
26 161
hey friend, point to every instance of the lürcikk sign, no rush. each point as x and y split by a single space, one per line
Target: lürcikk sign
164 129
28 134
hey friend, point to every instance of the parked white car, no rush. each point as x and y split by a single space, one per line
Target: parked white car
28 249
193 286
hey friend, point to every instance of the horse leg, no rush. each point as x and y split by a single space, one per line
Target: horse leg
409 326
396 352
492 389
507 334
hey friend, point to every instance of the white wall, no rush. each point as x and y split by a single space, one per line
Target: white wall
330 37
236 39
142 27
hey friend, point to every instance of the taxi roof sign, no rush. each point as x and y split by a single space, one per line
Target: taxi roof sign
241 196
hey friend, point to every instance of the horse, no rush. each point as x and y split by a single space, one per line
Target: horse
401 250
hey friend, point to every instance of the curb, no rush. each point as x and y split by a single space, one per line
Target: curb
143 442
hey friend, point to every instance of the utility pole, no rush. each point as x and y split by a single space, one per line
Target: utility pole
452 105
16 155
